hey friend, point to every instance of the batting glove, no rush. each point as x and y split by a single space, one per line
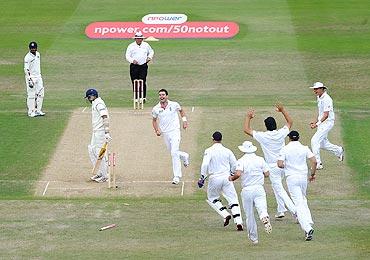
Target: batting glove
108 138
201 182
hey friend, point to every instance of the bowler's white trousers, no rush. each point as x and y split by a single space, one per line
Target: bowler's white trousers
97 142
320 141
172 140
282 197
297 186
254 196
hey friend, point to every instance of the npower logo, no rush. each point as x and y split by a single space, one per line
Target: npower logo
164 19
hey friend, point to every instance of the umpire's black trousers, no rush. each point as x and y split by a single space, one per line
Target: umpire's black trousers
139 72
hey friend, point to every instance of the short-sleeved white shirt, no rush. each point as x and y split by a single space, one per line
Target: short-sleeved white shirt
271 142
295 156
252 168
218 159
325 104
32 64
139 52
168 117
98 109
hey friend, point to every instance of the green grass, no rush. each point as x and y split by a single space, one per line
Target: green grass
282 47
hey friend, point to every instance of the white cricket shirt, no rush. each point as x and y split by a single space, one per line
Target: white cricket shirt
218 159
295 156
139 52
168 117
98 109
325 104
252 168
271 142
32 65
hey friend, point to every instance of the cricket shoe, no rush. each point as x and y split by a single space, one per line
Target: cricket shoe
186 160
32 114
227 220
93 178
309 235
239 227
319 167
175 180
255 242
40 113
101 179
341 155
279 215
267 224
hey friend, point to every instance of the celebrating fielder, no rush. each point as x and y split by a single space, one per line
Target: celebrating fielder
166 112
293 158
34 84
100 133
324 123
219 162
271 142
253 169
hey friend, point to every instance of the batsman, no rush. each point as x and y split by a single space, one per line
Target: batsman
100 136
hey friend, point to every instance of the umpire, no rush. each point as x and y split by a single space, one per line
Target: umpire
138 54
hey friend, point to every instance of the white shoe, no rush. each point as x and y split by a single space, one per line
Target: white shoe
279 215
101 179
175 180
33 114
255 242
341 156
40 113
93 178
186 160
267 224
319 167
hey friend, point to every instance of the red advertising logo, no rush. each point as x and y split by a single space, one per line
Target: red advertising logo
126 30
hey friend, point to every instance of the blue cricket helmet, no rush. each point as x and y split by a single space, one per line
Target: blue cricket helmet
91 92
32 45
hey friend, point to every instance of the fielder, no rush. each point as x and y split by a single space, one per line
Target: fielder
324 123
100 133
252 170
219 162
166 112
34 84
271 142
293 158
139 54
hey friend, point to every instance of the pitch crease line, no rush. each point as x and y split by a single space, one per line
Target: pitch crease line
46 188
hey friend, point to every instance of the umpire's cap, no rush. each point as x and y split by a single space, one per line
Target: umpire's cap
293 135
32 45
91 92
217 136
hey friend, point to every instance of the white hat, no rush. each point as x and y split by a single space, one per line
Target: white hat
318 85
139 35
247 147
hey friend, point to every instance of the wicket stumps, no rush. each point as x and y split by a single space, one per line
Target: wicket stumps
112 173
138 94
